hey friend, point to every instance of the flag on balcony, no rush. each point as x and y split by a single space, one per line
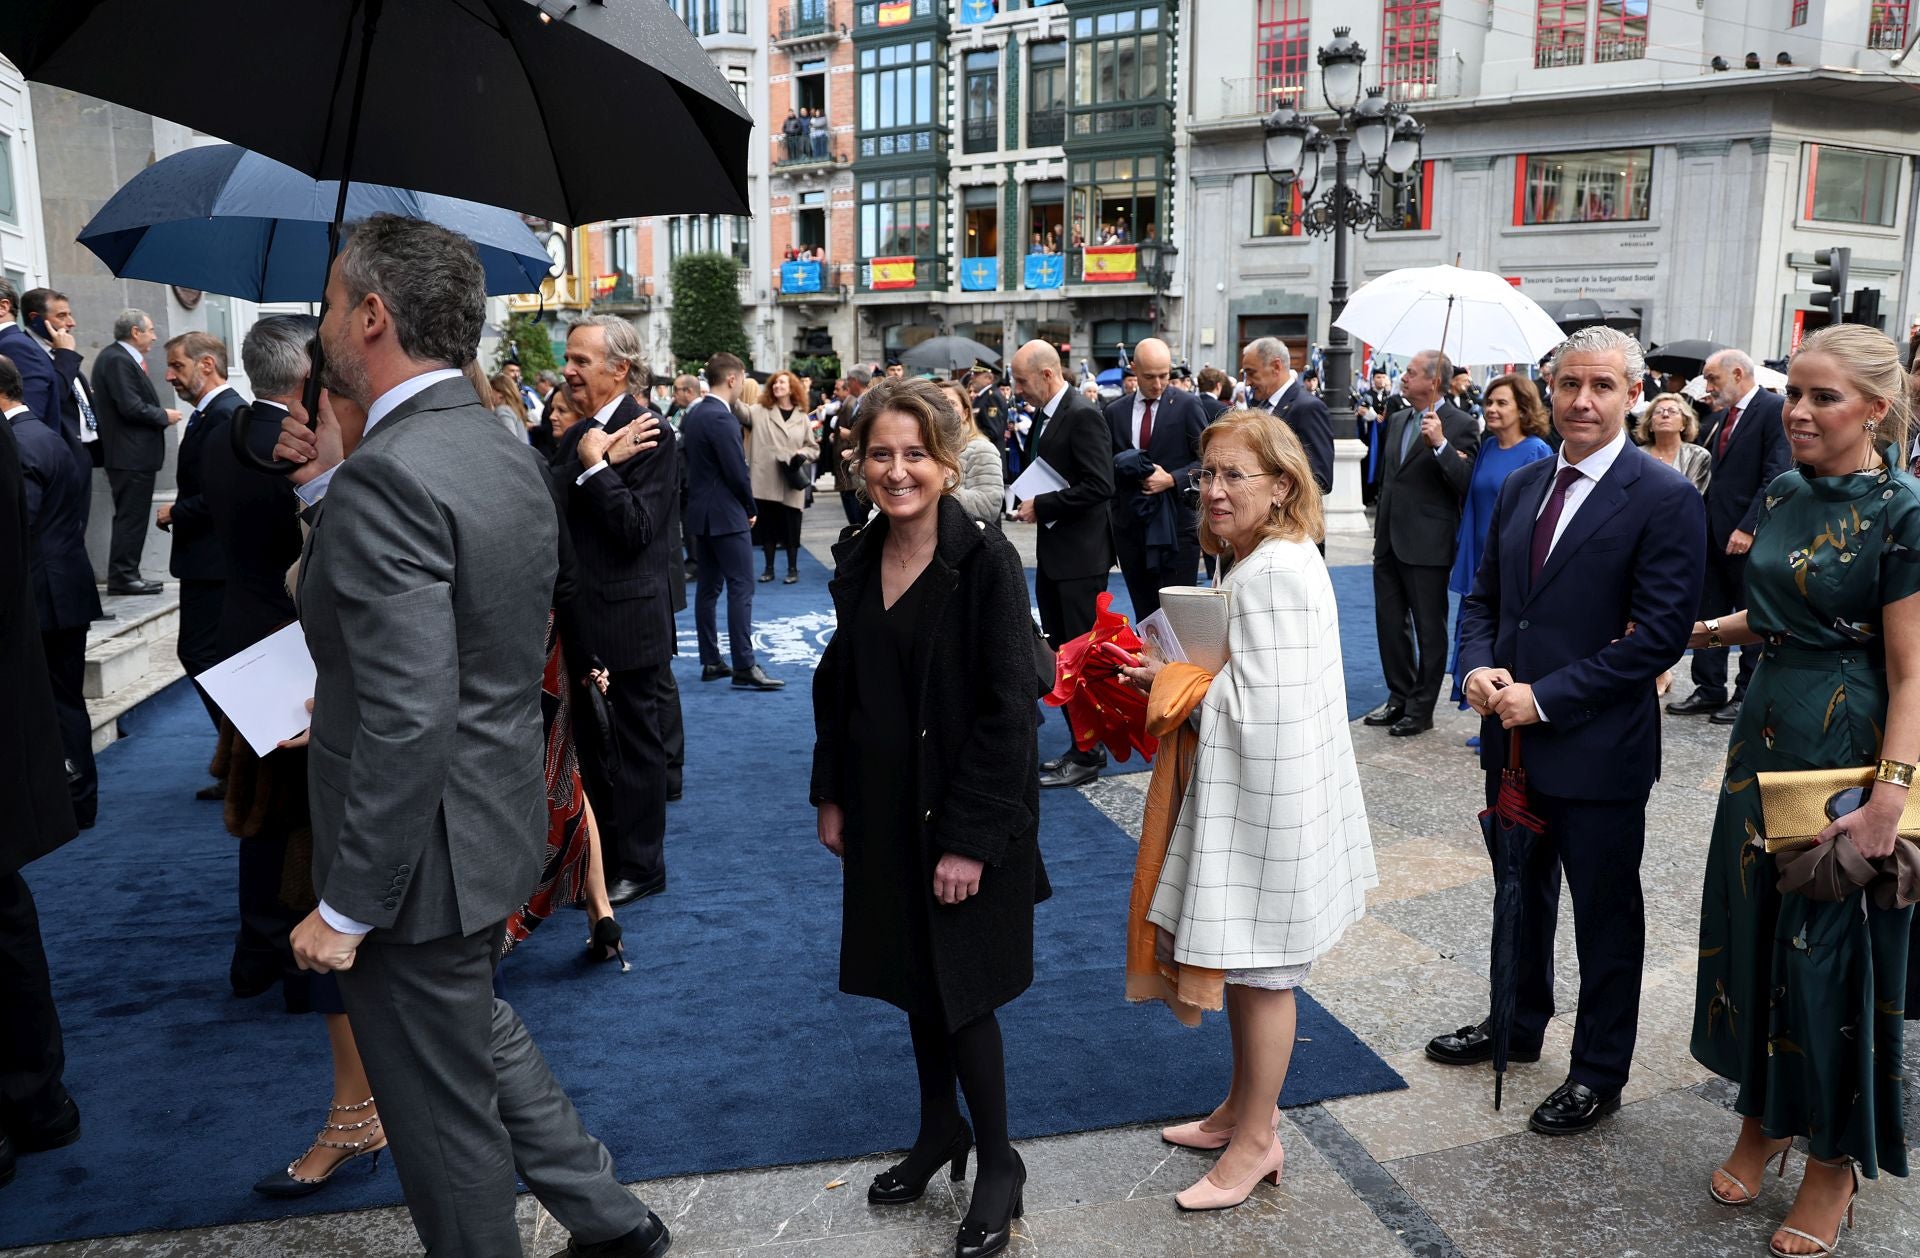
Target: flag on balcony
799 277
894 12
884 273
979 275
1045 270
1111 264
972 11
603 285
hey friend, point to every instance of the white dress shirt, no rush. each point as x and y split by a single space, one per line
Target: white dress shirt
200 405
383 406
599 420
138 357
1139 412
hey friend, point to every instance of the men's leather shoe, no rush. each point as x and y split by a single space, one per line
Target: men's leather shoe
626 890
1727 715
1408 726
137 587
1471 1045
57 1132
756 678
650 1240
1385 714
1071 772
1573 1108
714 672
216 791
1696 704
1053 765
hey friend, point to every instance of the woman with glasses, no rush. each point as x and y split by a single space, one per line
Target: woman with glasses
1269 858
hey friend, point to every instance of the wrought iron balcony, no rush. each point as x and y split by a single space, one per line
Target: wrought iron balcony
981 135
1046 127
808 21
928 274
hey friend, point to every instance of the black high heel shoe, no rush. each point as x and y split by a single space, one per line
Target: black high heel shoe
976 1240
604 943
286 1184
891 1188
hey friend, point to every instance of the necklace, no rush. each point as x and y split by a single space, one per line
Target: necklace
903 563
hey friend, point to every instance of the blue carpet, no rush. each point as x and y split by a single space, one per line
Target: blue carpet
726 1047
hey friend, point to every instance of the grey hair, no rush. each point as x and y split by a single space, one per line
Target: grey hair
623 346
1270 349
9 294
430 280
1599 339
129 321
276 354
860 376
1737 358
548 376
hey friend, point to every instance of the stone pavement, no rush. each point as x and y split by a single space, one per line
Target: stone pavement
1431 1171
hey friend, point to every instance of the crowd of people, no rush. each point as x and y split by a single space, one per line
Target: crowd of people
486 750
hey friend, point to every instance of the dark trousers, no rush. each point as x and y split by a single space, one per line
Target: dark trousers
1598 842
132 511
856 510
1145 580
32 1054
728 558
1067 611
260 944
1409 608
633 821
466 1100
673 730
67 668
1723 591
199 644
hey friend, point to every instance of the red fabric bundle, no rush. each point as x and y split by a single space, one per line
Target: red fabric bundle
1102 706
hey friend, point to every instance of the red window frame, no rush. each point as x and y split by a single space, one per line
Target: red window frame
1887 24
1424 204
1797 15
1410 43
1560 33
1618 33
1284 51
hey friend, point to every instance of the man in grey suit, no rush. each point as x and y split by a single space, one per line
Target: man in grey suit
424 593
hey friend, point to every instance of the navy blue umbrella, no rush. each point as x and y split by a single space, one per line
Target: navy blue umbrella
226 220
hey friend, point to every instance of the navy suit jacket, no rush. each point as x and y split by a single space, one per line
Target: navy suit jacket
254 518
1178 421
1612 610
719 490
197 552
1307 415
1757 453
40 390
58 500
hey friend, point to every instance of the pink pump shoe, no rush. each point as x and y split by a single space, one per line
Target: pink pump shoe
1190 1136
1207 1195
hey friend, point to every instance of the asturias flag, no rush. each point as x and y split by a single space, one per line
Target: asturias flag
890 273
799 277
979 275
1045 270
1110 264
894 12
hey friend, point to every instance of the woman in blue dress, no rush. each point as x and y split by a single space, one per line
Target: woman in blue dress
1517 423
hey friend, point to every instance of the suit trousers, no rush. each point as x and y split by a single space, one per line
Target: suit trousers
1409 608
1145 580
132 512
467 1100
32 1054
261 943
1598 842
66 651
1723 591
633 825
673 729
1066 611
199 645
725 557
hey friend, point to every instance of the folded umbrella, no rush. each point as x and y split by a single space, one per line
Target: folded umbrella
1474 317
1103 707
1510 829
228 221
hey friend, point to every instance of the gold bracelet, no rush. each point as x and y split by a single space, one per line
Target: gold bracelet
1894 771
1713 634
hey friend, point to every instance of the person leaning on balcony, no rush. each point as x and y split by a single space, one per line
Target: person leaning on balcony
821 135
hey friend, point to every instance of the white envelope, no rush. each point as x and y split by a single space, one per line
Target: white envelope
264 689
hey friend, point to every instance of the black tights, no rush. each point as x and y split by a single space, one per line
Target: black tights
975 1057
793 556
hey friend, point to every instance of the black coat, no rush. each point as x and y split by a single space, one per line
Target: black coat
39 382
73 383
1178 421
1307 415
1076 538
1419 516
1757 452
977 784
197 552
133 423
255 521
38 815
58 502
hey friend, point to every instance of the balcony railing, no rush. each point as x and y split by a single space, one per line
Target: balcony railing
1260 95
928 273
924 142
1629 48
1559 48
809 19
804 152
1046 127
981 135
1113 119
888 13
836 278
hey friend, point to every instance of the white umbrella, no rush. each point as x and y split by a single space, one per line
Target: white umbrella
1475 317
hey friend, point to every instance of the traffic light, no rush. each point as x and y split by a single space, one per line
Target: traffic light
1866 309
1832 277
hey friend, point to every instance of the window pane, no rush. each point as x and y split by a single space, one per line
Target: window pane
1560 33
923 95
1273 212
1620 32
1852 187
1608 186
1410 60
9 211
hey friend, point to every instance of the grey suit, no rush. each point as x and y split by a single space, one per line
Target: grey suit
424 595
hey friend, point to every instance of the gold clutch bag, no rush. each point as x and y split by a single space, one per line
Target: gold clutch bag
1795 806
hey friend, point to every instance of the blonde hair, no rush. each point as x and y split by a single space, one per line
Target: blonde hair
1300 518
1872 364
962 428
919 400
750 391
1643 427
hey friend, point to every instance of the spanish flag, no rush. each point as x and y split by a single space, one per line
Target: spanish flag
1110 264
891 273
894 12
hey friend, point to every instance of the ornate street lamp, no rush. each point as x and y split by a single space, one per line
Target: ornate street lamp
1157 261
1295 148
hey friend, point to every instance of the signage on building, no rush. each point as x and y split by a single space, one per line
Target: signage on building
799 277
979 275
885 273
1111 264
894 12
1625 283
1044 270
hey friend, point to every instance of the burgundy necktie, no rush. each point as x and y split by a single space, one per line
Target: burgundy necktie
1549 520
1726 431
1146 424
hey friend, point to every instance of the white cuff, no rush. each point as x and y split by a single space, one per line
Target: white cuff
582 478
340 921
1540 711
315 489
1442 446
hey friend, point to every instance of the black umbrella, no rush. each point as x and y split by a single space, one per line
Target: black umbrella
1589 310
947 353
1510 829
1683 358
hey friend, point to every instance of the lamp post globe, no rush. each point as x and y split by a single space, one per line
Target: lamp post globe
1372 128
1340 63
1403 151
1285 138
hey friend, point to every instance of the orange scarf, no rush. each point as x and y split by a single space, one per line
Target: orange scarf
1152 973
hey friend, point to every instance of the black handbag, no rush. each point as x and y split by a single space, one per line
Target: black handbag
1045 662
794 472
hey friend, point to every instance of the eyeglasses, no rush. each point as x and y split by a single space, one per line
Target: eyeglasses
1202 477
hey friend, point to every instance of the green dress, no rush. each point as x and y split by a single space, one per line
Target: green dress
1801 1002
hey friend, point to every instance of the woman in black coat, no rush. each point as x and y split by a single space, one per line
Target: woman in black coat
926 778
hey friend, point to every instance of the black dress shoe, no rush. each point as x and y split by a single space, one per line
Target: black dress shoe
1471 1045
650 1240
1407 726
216 791
252 975
714 672
137 587
55 1132
1053 765
626 890
1385 714
1696 704
1072 772
756 678
1727 715
980 1239
1573 1108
